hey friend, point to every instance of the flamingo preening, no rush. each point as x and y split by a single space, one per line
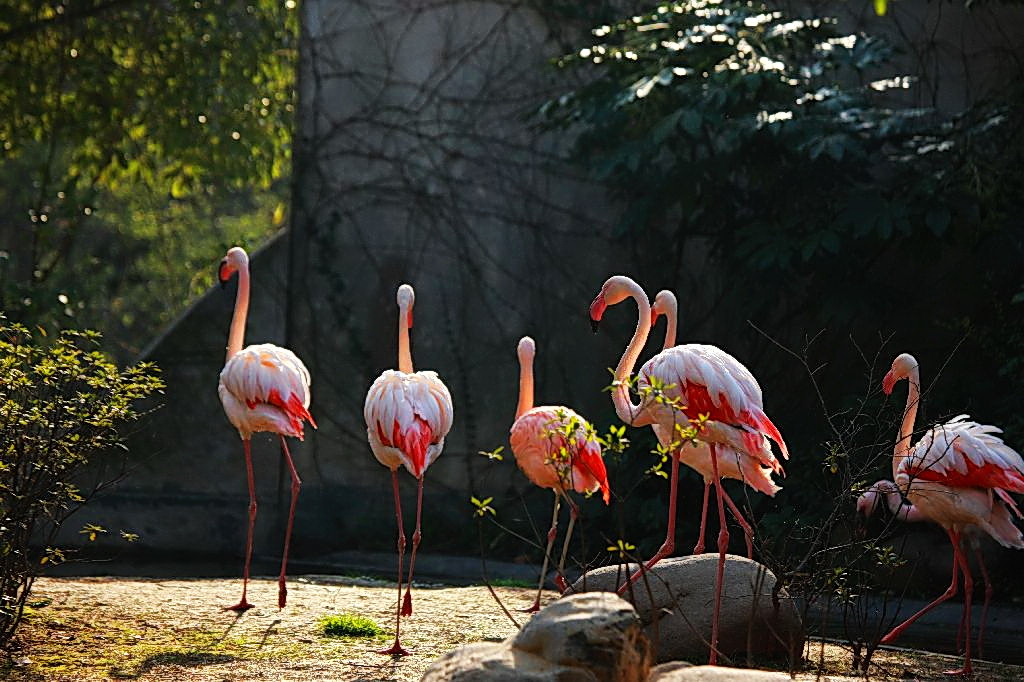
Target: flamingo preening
958 475
732 463
408 414
697 380
554 446
263 388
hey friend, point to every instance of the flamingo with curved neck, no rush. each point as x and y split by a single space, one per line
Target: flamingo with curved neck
695 382
551 460
263 388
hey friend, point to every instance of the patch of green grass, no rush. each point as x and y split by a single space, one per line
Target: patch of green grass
512 582
348 625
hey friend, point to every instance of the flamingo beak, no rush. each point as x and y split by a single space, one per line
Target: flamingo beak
223 274
597 309
888 382
408 319
654 317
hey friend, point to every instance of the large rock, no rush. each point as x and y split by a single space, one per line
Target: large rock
753 621
594 637
708 673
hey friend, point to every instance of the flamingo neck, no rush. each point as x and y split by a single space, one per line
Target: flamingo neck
902 448
404 352
670 329
525 384
624 408
236 334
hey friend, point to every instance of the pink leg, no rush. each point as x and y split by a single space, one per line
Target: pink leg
396 648
723 546
407 603
699 547
547 556
988 598
670 535
574 513
243 604
966 670
950 592
748 532
282 589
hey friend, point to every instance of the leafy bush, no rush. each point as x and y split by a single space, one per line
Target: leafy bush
348 625
60 407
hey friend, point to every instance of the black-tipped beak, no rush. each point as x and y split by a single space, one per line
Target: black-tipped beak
220 273
594 324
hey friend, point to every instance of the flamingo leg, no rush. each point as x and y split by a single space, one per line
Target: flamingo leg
282 589
670 535
407 602
547 555
574 513
988 598
950 592
723 546
699 547
243 604
396 648
748 532
966 670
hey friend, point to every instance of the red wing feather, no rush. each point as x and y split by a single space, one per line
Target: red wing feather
414 442
986 476
592 463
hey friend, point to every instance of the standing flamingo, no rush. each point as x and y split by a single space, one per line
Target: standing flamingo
710 382
549 460
408 414
958 475
735 464
263 388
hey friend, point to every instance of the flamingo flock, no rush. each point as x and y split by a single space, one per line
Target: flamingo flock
704 406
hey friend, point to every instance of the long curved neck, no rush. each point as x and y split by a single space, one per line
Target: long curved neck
902 448
624 408
404 352
525 384
236 334
902 510
670 329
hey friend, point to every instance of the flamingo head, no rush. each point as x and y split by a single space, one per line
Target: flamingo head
664 304
526 350
902 367
406 298
236 259
615 290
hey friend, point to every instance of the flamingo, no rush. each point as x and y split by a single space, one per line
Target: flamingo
408 414
886 492
958 475
712 383
263 387
735 464
538 439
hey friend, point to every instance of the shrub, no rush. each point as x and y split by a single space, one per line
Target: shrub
60 407
347 625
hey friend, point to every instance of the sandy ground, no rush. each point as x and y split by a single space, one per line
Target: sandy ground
160 629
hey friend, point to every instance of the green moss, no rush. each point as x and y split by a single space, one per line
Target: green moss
348 625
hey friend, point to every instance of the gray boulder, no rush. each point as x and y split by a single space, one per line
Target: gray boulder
678 618
593 637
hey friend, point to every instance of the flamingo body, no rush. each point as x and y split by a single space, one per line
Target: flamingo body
407 417
264 387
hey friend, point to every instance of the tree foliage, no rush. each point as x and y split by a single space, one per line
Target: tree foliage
61 406
129 125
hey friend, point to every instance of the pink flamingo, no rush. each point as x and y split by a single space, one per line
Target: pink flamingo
957 475
408 414
710 382
538 439
263 388
735 464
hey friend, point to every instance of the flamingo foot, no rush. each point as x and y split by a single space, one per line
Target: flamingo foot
699 548
561 584
533 609
240 607
282 594
395 649
407 604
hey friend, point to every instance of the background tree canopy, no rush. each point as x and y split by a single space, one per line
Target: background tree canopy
137 138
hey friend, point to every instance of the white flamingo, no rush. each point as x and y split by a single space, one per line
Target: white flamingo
263 388
408 414
701 380
549 460
959 476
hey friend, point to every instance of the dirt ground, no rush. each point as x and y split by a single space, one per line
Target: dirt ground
159 629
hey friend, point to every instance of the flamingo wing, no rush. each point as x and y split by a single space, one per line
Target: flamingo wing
407 417
963 453
273 385
709 381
